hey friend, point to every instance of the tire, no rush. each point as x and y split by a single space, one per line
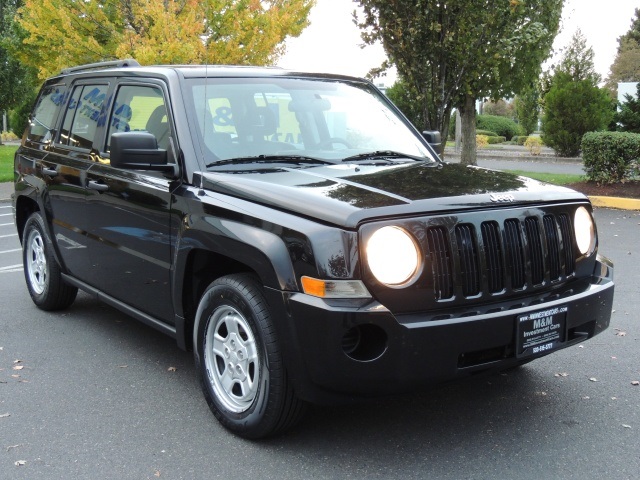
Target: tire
239 361
41 270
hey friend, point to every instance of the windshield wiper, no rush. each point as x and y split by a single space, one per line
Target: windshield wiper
384 154
270 159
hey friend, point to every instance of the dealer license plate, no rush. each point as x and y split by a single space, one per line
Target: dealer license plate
541 331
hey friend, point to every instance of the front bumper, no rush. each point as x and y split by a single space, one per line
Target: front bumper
335 354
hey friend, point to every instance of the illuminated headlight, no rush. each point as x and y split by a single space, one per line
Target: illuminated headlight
392 256
584 230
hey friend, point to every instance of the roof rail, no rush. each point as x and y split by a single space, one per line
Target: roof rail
130 62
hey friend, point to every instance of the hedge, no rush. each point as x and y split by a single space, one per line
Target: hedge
503 126
611 157
488 133
496 139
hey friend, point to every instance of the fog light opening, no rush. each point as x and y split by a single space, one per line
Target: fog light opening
364 343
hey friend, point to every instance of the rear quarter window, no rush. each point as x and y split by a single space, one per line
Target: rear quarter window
43 117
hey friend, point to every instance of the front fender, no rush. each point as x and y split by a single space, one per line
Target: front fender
262 251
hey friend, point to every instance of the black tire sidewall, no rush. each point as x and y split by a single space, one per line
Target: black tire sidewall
35 222
253 422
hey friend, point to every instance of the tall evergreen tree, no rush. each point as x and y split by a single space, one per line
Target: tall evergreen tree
527 104
574 105
626 65
628 117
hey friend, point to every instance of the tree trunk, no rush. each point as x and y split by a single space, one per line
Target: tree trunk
458 131
468 120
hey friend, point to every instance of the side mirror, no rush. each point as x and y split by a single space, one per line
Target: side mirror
434 139
138 151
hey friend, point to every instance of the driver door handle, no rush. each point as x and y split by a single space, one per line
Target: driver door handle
49 172
100 187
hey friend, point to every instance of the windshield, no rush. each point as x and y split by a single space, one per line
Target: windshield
239 118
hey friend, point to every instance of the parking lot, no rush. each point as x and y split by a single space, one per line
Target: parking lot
89 393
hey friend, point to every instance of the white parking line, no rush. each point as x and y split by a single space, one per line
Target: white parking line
5 206
11 268
7 236
11 251
6 214
5 224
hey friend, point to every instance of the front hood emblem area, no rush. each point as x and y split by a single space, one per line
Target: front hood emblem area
502 197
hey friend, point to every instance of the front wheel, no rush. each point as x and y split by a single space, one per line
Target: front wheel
239 361
41 270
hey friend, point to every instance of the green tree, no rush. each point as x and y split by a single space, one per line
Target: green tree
16 81
574 105
403 97
500 108
450 53
169 31
628 117
626 65
573 108
527 104
577 60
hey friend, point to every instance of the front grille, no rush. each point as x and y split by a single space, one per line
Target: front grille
494 256
468 254
497 257
441 268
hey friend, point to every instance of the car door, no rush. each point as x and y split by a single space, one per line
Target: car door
64 169
131 240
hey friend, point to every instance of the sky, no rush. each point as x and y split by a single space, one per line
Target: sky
332 41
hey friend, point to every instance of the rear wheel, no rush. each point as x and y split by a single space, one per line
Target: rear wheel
239 360
41 270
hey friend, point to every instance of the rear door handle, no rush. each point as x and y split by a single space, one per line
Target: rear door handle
101 187
49 172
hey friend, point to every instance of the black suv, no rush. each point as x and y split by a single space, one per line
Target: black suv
296 232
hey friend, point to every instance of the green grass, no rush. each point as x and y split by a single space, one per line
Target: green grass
6 162
555 178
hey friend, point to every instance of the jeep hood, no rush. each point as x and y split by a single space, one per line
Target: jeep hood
349 194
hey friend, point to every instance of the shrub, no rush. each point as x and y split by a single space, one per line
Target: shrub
482 141
8 136
611 157
573 108
496 139
534 145
503 126
488 133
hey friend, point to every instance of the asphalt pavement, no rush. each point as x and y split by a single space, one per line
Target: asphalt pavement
89 393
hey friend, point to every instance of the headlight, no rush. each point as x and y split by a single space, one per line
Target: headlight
392 255
584 230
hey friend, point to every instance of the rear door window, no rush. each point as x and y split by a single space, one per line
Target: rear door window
81 117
